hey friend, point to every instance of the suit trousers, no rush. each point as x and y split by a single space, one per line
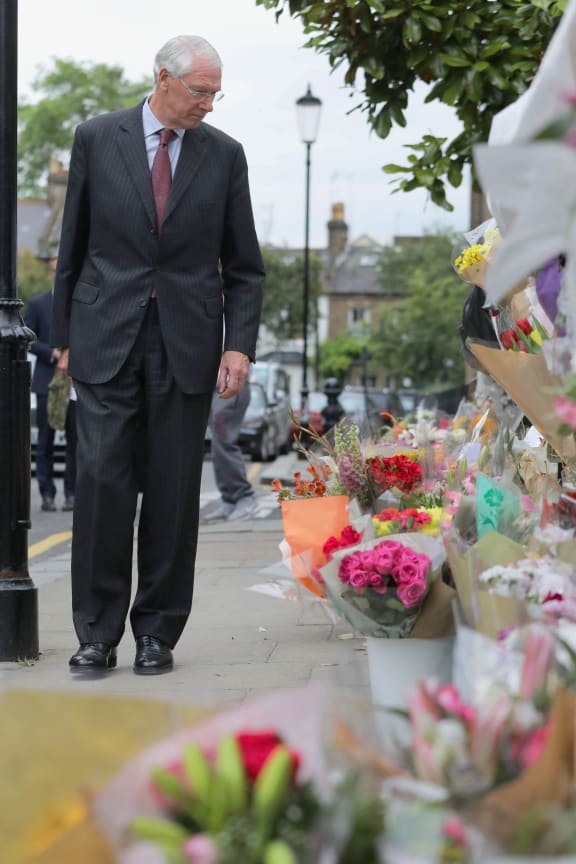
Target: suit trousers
137 431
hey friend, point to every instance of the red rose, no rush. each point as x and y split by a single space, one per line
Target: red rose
256 747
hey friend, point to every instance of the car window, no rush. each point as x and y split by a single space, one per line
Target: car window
352 403
260 375
317 401
257 398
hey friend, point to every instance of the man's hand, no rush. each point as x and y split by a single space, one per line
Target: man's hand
62 359
234 370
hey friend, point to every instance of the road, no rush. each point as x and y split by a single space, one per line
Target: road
50 529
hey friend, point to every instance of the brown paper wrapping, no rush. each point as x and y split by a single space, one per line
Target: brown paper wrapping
436 619
484 610
527 379
550 780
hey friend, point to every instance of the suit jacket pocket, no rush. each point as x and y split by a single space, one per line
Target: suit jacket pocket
213 306
84 292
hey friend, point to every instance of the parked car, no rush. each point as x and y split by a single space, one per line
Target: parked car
276 383
260 435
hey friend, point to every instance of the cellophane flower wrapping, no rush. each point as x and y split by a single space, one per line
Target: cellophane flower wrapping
363 468
358 583
133 802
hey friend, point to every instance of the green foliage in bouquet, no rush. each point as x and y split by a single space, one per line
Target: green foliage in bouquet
246 805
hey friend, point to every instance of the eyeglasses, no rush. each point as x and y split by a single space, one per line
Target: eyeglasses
200 95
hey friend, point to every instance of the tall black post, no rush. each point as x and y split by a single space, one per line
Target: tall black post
306 293
18 596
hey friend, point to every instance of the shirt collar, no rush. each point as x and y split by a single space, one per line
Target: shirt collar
151 123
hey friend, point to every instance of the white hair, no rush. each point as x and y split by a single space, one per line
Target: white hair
178 55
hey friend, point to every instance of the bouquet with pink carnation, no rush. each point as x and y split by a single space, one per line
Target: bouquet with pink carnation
379 586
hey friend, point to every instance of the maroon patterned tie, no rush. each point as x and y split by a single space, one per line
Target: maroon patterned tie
162 174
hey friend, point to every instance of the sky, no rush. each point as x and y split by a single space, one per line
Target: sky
266 69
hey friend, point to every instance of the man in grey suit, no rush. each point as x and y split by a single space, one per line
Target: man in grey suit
158 250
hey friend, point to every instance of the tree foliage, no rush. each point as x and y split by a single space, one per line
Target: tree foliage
419 337
432 253
339 354
283 304
476 56
67 93
32 276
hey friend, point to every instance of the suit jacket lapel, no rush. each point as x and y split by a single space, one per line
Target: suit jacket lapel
132 148
191 154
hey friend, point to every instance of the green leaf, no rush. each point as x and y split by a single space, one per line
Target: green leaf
452 92
382 123
455 173
412 31
431 23
391 168
456 60
393 13
397 114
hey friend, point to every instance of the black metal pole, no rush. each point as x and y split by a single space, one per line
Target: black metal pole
306 293
18 596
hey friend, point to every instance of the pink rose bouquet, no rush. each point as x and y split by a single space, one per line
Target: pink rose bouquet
379 586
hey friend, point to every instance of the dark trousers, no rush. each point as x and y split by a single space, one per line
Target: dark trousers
70 466
141 407
44 449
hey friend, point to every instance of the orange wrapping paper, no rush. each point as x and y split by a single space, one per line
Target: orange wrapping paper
307 524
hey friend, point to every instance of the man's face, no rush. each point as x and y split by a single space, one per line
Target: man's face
179 108
53 264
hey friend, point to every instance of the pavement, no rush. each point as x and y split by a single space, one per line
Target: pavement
237 643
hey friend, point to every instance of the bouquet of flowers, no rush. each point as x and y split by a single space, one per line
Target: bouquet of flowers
525 335
470 749
546 583
225 793
379 586
424 520
474 254
245 803
361 469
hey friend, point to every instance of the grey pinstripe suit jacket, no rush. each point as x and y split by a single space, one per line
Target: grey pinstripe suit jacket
205 264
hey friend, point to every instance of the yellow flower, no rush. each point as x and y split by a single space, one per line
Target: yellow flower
382 529
437 516
472 256
536 337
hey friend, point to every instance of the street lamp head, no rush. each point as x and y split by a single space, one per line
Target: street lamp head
308 114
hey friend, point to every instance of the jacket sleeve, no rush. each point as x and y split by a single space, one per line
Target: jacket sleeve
73 241
242 266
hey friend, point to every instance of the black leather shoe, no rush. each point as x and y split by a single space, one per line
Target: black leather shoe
93 657
152 656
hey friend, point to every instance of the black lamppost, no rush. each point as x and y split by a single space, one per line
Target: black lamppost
308 114
18 600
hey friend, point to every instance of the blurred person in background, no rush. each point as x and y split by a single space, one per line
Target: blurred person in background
38 317
237 498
